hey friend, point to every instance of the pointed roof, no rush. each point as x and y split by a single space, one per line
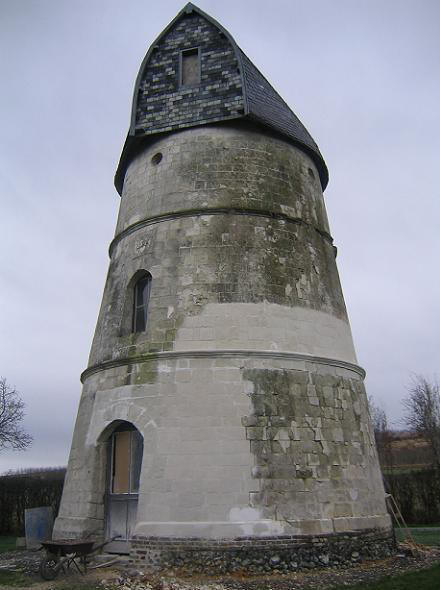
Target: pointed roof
261 104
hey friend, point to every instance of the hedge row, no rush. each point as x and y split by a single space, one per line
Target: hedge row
417 494
21 491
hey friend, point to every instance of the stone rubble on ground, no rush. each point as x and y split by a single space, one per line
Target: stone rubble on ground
156 584
318 579
20 561
323 579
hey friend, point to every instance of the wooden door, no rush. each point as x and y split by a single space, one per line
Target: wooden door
122 498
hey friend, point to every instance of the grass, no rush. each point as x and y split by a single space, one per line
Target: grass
14 580
404 469
422 580
430 538
7 544
436 525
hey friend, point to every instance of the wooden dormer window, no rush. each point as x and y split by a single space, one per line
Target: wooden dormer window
190 67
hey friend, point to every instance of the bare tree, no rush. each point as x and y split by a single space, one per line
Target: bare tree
422 412
383 434
12 435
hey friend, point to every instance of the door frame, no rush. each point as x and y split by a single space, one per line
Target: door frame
127 500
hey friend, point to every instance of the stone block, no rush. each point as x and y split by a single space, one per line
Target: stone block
343 509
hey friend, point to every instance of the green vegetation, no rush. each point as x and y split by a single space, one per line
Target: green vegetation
431 537
403 469
15 580
416 494
27 489
7 544
422 580
425 526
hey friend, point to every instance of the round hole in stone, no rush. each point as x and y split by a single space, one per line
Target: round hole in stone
156 159
311 173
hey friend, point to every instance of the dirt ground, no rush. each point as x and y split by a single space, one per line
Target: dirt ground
24 564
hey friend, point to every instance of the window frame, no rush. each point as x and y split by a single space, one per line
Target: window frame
181 54
134 328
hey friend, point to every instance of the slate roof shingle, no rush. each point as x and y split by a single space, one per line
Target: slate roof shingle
262 104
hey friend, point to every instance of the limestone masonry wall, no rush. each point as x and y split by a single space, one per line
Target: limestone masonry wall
214 167
244 385
222 342
260 237
234 447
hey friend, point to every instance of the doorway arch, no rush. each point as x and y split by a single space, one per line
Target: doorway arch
124 461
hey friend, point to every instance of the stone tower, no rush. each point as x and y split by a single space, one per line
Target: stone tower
223 408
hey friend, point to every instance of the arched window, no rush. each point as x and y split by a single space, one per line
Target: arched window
141 293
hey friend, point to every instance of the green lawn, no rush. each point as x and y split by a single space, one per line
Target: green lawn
425 526
14 580
423 580
7 544
421 537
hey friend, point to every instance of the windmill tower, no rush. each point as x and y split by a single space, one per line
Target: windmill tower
223 409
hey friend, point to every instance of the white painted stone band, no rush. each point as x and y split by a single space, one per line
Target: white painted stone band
261 528
215 353
264 326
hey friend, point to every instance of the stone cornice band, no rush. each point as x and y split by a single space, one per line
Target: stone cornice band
214 211
215 353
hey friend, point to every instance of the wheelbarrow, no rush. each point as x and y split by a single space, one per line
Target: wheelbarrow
66 554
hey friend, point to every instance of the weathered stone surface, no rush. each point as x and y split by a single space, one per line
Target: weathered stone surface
244 385
268 554
275 278
262 443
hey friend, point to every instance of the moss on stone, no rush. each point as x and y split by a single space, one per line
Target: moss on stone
293 437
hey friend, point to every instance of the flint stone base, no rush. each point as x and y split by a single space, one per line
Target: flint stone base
261 554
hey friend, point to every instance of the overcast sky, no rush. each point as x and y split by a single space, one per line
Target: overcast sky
363 76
